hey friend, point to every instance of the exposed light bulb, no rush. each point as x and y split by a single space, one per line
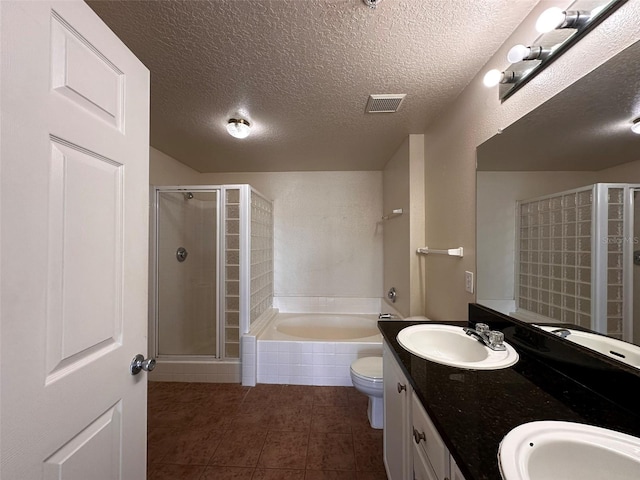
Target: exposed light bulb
238 128
550 19
492 78
635 128
518 53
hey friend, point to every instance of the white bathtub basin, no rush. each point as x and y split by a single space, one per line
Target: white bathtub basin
450 345
565 450
616 349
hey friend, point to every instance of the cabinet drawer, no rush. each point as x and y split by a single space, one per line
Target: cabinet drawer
428 439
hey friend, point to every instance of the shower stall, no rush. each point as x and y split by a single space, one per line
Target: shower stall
211 271
575 258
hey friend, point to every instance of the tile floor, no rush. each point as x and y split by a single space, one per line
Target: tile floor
209 431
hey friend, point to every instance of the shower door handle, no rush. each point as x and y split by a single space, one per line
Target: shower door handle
139 363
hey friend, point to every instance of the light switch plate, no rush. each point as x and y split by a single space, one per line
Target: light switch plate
468 281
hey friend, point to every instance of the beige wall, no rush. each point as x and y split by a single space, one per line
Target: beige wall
627 173
477 115
403 188
165 170
328 242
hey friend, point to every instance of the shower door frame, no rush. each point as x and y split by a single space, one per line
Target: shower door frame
154 223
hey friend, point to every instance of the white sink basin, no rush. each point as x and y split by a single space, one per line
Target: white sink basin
450 345
564 450
616 349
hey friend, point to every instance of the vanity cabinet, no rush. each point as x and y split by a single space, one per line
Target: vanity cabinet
413 448
396 418
432 454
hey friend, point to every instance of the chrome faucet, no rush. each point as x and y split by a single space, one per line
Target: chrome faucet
387 316
492 339
561 332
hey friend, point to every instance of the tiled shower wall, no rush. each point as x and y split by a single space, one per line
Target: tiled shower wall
555 257
615 255
260 268
232 274
261 256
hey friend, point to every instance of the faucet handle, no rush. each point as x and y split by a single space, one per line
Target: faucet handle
482 328
496 338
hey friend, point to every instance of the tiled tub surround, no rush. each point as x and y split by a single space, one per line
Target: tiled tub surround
315 349
473 409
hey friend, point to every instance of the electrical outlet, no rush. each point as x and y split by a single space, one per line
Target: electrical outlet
468 281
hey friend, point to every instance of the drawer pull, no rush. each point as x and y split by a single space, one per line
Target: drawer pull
417 436
401 387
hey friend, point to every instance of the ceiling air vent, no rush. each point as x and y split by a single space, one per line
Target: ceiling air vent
385 103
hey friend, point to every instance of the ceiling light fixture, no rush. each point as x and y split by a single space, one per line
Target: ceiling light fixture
555 18
635 128
238 127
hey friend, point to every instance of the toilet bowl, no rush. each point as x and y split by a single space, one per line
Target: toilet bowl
366 375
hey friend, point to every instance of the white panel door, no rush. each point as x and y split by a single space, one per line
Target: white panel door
73 246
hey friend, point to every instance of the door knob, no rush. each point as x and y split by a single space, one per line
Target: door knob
139 363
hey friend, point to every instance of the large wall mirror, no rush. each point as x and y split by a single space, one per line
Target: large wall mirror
558 207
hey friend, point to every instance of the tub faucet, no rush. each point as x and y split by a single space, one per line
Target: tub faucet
387 316
492 339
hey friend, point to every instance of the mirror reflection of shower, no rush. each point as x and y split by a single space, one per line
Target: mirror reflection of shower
575 258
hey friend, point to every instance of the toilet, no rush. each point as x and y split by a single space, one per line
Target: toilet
366 375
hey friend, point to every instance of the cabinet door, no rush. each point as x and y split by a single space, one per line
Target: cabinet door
396 403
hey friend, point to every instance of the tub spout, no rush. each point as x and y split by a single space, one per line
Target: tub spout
387 316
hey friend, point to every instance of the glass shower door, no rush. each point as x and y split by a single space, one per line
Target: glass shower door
187 224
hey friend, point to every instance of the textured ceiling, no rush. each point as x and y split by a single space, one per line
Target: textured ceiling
301 72
586 127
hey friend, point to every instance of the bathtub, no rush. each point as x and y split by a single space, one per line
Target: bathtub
315 349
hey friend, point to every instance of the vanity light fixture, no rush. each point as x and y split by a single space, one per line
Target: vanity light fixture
494 77
635 128
238 127
554 18
559 29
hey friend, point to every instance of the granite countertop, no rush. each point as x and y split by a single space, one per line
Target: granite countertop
474 409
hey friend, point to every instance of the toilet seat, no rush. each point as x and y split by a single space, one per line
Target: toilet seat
368 368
